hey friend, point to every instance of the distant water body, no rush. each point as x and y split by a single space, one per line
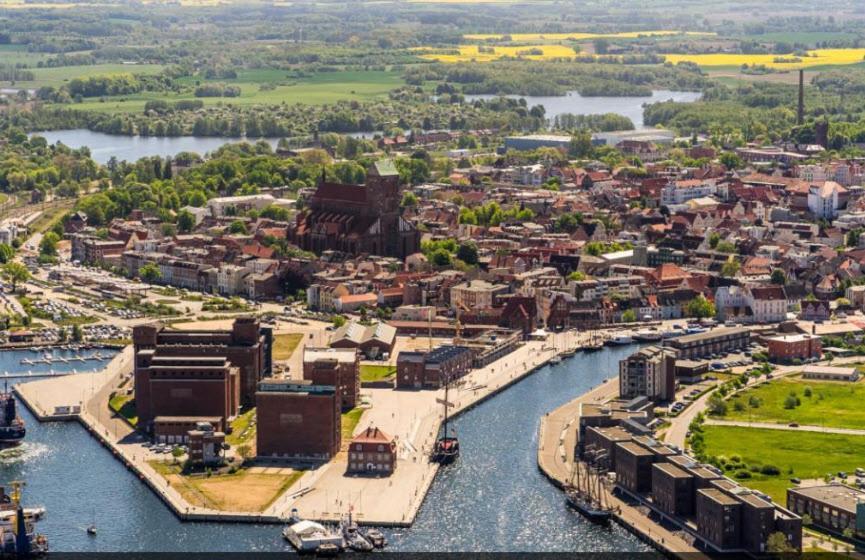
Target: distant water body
573 102
131 148
492 499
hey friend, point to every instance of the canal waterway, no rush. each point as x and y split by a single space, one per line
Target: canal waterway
493 499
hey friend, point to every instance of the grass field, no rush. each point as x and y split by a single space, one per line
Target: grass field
831 404
818 57
17 54
58 76
241 491
350 420
317 89
578 36
799 454
242 429
370 372
284 345
124 405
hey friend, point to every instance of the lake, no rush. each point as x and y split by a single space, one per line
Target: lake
131 148
573 102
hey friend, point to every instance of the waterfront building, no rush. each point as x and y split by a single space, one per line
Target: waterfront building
175 429
188 387
719 518
297 420
416 370
246 346
357 219
722 340
634 467
339 367
205 445
672 489
372 452
649 372
603 441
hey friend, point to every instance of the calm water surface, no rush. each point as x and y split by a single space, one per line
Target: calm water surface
130 148
493 499
573 102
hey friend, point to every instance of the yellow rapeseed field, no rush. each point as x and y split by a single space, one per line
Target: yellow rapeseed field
577 36
468 53
819 57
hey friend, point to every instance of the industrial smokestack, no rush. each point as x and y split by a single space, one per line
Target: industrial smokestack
800 114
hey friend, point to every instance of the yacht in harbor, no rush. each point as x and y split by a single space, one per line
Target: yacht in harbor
620 340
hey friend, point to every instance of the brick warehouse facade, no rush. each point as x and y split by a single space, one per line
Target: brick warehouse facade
247 347
185 386
297 420
339 367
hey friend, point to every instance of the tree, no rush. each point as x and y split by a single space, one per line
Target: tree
577 276
48 245
777 544
716 406
714 239
629 316
237 227
149 272
730 268
468 252
725 247
77 333
185 221
16 273
440 257
409 200
778 277
6 253
244 452
730 160
700 307
337 320
580 145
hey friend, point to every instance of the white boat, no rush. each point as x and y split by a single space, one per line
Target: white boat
647 336
307 536
620 340
555 359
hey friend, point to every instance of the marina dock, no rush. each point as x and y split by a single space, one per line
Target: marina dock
557 439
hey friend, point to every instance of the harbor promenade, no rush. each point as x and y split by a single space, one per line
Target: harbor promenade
324 493
556 442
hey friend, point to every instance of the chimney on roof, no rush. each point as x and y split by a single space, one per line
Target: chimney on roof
800 114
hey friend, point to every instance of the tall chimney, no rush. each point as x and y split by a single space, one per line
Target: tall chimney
800 114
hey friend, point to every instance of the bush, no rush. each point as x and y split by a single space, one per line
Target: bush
770 470
741 474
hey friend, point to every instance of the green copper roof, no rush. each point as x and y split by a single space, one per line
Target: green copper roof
386 167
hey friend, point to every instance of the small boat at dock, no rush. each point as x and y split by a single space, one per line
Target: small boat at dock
309 536
620 340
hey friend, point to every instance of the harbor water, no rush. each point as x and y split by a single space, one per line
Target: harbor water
492 499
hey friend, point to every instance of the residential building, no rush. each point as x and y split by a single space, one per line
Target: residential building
476 294
649 372
720 340
719 518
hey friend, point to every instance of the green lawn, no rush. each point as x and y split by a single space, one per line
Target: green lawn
350 420
832 404
124 405
317 89
797 454
61 74
284 345
376 373
17 54
242 429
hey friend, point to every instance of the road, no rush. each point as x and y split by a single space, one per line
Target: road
771 426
